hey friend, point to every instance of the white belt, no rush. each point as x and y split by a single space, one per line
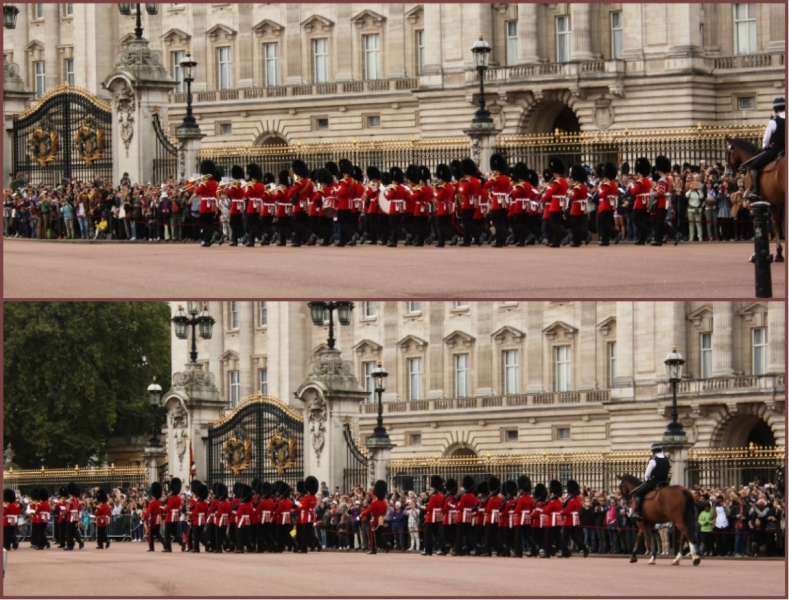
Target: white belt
438 515
265 516
556 519
288 208
44 516
562 201
243 520
175 513
525 517
576 519
303 204
200 519
467 515
495 516
222 520
12 519
285 519
399 205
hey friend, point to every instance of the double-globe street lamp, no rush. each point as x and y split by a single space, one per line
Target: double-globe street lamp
318 312
675 364
10 13
481 52
188 66
182 323
126 10
379 376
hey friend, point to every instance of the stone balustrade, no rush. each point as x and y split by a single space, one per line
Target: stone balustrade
748 61
593 68
725 385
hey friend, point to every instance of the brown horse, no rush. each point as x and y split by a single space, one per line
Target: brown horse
772 181
670 504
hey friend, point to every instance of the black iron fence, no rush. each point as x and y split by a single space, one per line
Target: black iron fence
165 160
735 467
356 462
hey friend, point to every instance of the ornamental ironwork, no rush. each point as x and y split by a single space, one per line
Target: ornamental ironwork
89 141
43 143
282 451
237 453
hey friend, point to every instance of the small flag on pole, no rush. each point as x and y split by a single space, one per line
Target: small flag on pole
193 466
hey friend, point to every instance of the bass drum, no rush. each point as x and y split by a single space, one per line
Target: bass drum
383 203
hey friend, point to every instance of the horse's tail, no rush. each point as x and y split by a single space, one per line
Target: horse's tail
690 517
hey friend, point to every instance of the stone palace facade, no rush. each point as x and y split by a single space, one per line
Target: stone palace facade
471 378
272 74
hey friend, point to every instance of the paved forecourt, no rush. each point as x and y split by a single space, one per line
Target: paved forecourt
126 569
116 270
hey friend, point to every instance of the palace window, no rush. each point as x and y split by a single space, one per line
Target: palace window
235 387
372 56
224 79
563 369
68 10
234 315
563 433
70 71
225 129
270 52
511 435
322 123
414 378
414 307
461 375
746 103
744 28
178 73
369 309
320 53
706 355
367 377
617 33
510 363
512 43
563 34
374 121
415 439
263 316
263 379
461 304
420 51
38 11
611 363
759 350
41 84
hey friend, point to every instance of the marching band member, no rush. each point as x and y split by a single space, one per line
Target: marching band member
470 194
492 517
39 519
396 194
372 227
478 517
282 518
538 520
433 516
519 204
500 186
306 516
60 511
237 487
552 512
199 515
207 192
221 520
507 523
172 515
299 195
153 516
322 204
663 189
268 207
374 514
74 506
412 182
556 194
11 512
444 201
578 206
236 195
607 193
265 510
357 205
571 522
420 198
243 519
522 511
254 193
449 533
641 191
346 188
210 520
464 540
102 514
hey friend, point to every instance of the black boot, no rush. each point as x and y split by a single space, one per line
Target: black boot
753 195
636 516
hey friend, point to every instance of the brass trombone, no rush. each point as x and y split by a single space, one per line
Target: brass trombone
191 184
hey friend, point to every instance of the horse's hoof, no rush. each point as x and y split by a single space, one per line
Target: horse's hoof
633 559
696 561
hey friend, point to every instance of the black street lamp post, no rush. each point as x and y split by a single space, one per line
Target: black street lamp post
674 366
9 16
379 376
182 323
188 65
481 52
154 398
126 8
318 311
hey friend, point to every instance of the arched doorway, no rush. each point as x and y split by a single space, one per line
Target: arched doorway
270 139
747 429
460 451
553 115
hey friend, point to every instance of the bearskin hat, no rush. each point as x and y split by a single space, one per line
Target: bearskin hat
357 173
156 490
346 167
482 487
63 492
312 485
676 168
333 168
510 487
300 168
373 172
237 488
300 486
397 175
386 178
254 172
547 175
654 175
424 174
609 170
469 167
207 167
215 487
412 173
540 493
175 486
323 176
468 483
524 484
499 163
266 489
268 178
255 483
494 484
695 169
578 174
101 496
599 172
643 166
556 165
436 482
625 168
43 494
284 489
534 178
220 172
312 174
573 488
520 171
284 178
379 489
194 483
451 486
444 173
73 490
246 493
221 491
663 164
457 169
202 491
9 495
237 172
555 487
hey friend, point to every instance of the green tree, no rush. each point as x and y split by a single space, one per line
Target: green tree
76 373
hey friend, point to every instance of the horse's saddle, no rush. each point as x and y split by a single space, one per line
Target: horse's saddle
658 487
772 166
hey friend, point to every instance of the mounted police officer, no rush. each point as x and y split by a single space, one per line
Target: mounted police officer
774 143
657 472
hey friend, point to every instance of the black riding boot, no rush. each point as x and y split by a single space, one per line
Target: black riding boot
754 193
636 516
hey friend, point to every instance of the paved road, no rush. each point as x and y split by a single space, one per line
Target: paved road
107 270
128 570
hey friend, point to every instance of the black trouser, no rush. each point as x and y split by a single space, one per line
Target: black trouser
301 228
492 538
243 541
640 223
220 538
9 536
207 222
347 230
253 228
73 535
285 228
101 537
377 540
56 530
267 228
580 227
408 225
553 537
210 535
236 227
196 536
463 537
448 536
575 534
522 531
171 531
556 223
606 226
284 539
499 217
517 223
421 225
662 226
370 227
395 224
154 533
444 229
431 529
469 225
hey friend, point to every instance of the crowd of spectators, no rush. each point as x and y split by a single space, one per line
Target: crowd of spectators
749 521
707 205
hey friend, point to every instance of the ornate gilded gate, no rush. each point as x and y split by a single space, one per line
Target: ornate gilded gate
67 133
262 438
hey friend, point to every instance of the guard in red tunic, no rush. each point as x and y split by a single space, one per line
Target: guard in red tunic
506 523
265 511
153 516
234 502
663 189
268 209
74 507
478 517
323 206
538 519
346 187
102 514
578 198
11 512
299 194
641 190
357 205
280 197
492 517
500 187
419 199
305 516
556 194
552 512
370 220
519 204
470 194
449 528
60 510
464 540
433 515
444 203
571 521
521 515
199 515
41 519
236 195
607 194
255 194
172 515
282 518
210 520
221 520
208 207
374 514
243 516
396 193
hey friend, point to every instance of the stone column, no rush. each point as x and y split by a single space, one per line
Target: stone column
431 71
633 41
678 450
153 458
623 383
246 348
722 339
245 46
293 44
15 95
390 359
189 142
52 66
482 143
587 347
528 51
484 346
380 453
21 38
344 42
684 35
581 28
395 41
776 338
534 325
777 14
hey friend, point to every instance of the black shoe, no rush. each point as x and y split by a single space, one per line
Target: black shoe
574 245
752 196
238 552
81 544
639 243
148 550
371 552
166 550
602 243
618 238
97 548
567 239
424 553
68 549
205 244
453 552
586 551
464 244
233 244
677 239
656 243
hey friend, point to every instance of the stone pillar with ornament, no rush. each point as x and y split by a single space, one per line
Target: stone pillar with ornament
139 84
15 96
331 396
482 143
677 448
191 404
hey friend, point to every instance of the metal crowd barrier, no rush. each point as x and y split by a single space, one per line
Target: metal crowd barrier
120 528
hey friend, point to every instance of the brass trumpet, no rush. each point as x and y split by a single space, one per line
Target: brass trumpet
231 183
193 183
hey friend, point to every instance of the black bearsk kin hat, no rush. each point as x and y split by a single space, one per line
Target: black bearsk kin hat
379 489
312 485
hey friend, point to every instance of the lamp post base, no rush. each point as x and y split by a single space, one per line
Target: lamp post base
482 142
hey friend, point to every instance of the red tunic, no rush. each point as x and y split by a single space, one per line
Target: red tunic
222 517
244 514
280 198
493 509
199 514
345 192
256 195
578 197
555 193
299 194
573 505
102 514
233 506
42 512
306 509
523 508
553 507
236 195
435 504
371 192
358 198
282 512
172 509
62 507
607 193
507 509
265 510
450 519
464 506
211 518
374 513
445 199
470 192
420 197
396 195
207 191
11 512
153 514
664 187
641 189
500 188
537 511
